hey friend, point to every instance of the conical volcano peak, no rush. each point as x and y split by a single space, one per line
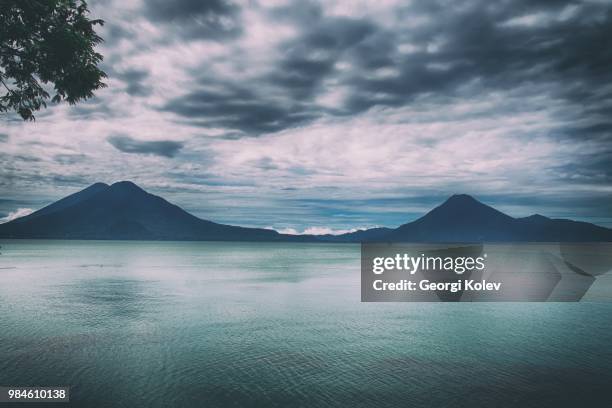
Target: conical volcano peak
461 218
464 208
126 186
98 185
461 199
462 203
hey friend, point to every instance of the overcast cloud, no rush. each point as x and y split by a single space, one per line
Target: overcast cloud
335 115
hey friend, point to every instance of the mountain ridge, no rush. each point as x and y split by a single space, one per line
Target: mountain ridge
123 210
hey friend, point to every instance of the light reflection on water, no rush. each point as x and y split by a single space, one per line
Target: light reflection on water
212 324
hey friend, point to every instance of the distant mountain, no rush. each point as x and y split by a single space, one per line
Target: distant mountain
125 211
462 218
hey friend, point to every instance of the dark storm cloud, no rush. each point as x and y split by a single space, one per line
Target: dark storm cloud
114 33
126 144
255 110
265 164
493 46
238 107
196 19
310 58
564 48
596 169
594 131
135 80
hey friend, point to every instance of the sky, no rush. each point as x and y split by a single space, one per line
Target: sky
333 116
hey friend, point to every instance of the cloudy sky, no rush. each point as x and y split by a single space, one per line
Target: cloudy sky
307 116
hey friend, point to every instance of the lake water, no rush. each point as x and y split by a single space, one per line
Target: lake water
161 324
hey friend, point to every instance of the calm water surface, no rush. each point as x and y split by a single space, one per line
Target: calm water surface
159 324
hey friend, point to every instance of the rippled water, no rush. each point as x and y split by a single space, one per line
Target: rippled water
158 324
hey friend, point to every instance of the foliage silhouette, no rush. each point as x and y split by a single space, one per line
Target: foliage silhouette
47 46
